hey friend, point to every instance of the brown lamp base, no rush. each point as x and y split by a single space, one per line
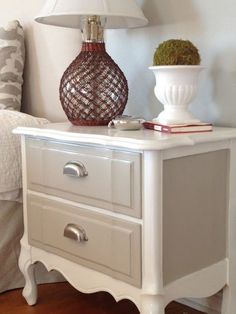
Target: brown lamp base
93 89
90 122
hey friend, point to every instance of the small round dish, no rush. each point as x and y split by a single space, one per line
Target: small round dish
126 123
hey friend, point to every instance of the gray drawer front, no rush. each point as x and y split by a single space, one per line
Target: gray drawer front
113 181
113 245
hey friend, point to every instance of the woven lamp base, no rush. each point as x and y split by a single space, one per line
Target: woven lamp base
93 89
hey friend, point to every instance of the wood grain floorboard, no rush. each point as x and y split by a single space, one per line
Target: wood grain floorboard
62 298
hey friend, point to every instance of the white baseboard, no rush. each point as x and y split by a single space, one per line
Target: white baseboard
210 305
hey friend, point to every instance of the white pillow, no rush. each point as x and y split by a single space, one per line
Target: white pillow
12 58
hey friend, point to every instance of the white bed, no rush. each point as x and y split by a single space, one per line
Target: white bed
11 227
11 230
11 222
12 54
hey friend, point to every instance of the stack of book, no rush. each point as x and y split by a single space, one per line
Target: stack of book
178 128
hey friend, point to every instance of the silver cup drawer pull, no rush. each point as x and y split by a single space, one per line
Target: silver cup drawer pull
75 169
76 233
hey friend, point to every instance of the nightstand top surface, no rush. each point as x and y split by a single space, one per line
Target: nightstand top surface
140 140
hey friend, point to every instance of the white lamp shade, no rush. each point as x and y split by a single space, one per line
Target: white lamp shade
68 13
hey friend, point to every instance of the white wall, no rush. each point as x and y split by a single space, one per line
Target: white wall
211 25
49 51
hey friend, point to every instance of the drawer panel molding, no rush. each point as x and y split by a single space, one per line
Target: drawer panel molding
98 177
106 244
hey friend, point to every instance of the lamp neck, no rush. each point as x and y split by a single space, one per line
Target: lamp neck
93 29
93 47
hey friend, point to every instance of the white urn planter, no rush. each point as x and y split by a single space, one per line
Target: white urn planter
176 86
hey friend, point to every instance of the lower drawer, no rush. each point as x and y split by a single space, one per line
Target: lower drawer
97 241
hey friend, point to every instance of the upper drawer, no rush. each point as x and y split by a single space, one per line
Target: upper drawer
113 179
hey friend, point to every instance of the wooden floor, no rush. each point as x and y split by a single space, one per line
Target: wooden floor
61 298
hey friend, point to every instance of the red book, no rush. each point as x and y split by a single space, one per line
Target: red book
180 128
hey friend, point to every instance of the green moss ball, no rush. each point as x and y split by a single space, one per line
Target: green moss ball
176 52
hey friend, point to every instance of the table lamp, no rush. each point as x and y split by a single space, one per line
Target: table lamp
93 89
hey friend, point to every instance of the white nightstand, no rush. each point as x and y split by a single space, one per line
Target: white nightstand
145 216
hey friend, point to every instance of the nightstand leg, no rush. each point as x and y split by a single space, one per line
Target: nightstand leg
30 292
229 301
152 304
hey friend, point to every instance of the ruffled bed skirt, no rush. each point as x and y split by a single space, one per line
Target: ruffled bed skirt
11 231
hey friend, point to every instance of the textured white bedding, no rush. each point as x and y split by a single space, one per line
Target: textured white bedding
10 153
11 220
